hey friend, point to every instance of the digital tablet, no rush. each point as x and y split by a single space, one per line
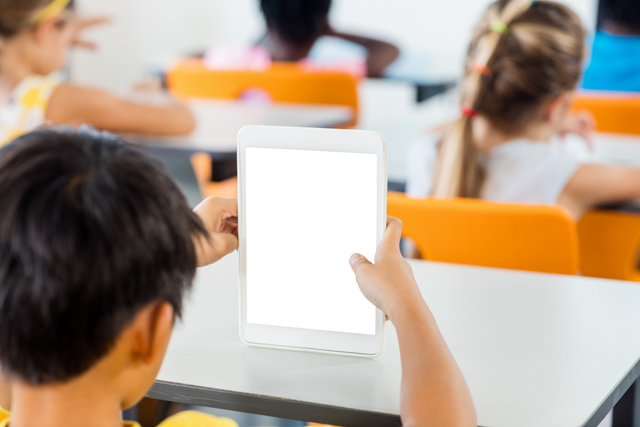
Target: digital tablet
308 200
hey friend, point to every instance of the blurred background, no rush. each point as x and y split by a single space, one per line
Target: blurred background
146 34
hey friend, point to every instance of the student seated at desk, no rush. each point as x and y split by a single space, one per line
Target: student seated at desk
295 28
509 144
98 248
615 56
35 36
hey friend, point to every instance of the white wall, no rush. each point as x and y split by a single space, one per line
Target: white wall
144 30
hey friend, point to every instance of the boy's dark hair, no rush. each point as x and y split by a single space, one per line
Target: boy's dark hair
625 12
91 231
296 21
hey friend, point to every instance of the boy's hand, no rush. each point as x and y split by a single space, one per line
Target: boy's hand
389 283
220 218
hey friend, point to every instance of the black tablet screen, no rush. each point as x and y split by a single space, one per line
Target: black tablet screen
306 212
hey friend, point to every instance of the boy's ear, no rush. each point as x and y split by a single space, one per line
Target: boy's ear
556 109
150 332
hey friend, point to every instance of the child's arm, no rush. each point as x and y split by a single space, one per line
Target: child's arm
380 54
595 184
71 104
434 392
220 218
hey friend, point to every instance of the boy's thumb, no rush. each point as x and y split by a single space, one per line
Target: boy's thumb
358 261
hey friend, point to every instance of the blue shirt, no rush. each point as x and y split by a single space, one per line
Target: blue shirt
615 63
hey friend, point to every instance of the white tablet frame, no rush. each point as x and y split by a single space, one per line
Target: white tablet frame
333 140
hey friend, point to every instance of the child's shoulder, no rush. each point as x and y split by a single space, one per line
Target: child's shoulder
197 419
4 417
40 82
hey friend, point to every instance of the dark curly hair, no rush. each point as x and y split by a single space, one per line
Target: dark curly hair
91 231
296 21
625 12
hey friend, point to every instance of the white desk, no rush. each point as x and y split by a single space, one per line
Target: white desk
218 123
617 149
537 351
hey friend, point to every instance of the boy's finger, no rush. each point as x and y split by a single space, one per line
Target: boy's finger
358 261
225 243
214 211
393 233
231 205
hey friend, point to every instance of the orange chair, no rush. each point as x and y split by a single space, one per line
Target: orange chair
613 113
609 243
284 82
476 232
201 163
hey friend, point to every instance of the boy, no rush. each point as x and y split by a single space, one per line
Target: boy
97 250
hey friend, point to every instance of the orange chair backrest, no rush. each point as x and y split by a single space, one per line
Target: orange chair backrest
609 243
617 114
476 232
201 163
284 82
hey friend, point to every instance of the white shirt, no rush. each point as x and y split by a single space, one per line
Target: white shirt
519 171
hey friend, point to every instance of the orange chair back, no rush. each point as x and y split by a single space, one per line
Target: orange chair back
284 82
617 114
476 232
609 243
201 163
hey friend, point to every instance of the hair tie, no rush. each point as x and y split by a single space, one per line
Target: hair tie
499 27
468 112
480 68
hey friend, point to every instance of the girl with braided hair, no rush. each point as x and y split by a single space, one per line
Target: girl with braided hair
511 142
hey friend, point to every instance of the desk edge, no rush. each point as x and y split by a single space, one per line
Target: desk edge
614 397
270 406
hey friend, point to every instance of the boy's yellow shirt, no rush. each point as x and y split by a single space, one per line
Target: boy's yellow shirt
183 419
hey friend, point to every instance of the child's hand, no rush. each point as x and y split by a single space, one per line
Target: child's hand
389 283
83 24
582 124
149 91
220 218
150 84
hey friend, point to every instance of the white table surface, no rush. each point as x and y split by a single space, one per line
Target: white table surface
617 149
537 351
219 121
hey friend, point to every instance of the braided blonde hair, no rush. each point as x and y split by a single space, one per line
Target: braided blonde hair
523 54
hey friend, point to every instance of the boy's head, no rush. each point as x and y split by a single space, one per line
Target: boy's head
299 22
621 12
92 233
40 29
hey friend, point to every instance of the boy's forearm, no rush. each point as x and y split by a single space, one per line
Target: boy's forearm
434 392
